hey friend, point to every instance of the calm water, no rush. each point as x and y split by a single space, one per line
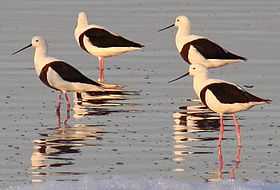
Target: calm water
146 132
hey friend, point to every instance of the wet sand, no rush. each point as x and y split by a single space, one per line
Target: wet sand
137 135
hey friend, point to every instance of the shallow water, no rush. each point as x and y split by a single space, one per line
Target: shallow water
123 183
140 134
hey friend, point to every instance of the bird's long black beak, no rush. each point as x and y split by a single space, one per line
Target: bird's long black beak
167 27
28 46
182 76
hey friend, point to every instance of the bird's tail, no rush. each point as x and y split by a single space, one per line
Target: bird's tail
235 56
268 101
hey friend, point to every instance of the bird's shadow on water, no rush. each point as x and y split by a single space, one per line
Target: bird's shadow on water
196 131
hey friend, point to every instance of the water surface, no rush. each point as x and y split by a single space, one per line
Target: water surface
150 133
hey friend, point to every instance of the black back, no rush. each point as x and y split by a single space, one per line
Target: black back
229 94
66 72
211 50
101 38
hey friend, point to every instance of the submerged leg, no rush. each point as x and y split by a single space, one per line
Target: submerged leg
221 163
238 155
58 104
237 163
221 135
68 106
101 69
237 129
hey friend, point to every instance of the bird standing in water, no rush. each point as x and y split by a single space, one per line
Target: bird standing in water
222 97
59 75
196 49
100 42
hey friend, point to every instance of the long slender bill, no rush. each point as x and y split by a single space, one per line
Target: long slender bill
167 27
28 46
182 76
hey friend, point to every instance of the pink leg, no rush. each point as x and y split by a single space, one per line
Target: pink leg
68 107
237 155
221 135
237 163
58 104
101 69
221 162
237 129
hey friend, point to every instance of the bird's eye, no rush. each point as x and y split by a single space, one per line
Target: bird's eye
177 20
193 68
36 40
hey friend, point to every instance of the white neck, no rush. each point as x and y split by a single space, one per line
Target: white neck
82 20
40 58
198 81
184 30
181 36
40 52
82 24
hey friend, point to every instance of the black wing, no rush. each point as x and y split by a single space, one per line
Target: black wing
101 38
69 73
211 50
228 94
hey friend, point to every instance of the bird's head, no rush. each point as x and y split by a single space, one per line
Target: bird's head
82 19
196 69
182 21
37 41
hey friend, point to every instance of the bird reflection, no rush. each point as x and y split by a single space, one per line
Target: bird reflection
196 118
194 125
103 103
190 124
219 174
54 149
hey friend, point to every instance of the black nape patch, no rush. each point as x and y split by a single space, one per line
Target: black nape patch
44 78
185 52
203 96
81 42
